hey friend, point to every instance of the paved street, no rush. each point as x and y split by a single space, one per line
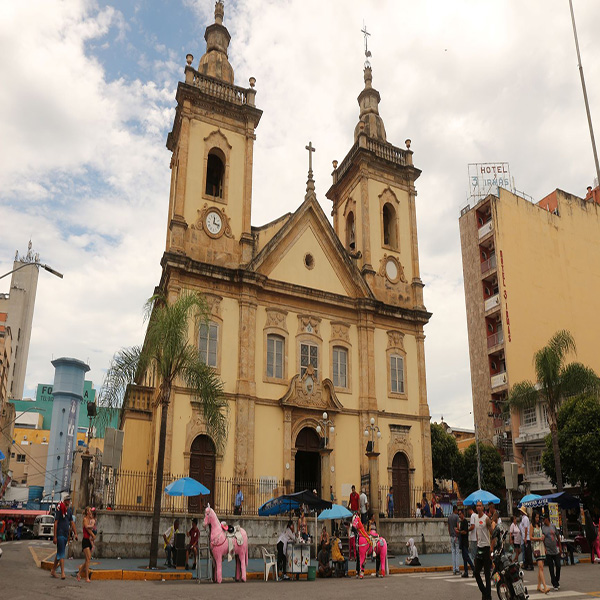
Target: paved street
21 579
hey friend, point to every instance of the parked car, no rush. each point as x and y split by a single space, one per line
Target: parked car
43 526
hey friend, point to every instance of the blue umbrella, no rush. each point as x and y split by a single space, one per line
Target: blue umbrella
2 457
186 486
485 497
277 506
337 511
528 498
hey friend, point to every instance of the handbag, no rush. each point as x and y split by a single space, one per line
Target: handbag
536 554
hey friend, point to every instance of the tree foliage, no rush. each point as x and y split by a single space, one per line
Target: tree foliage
492 476
445 456
556 380
578 423
168 354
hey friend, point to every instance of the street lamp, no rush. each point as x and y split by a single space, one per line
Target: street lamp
37 264
372 430
323 425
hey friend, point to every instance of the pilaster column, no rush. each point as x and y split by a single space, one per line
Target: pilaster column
417 284
365 226
246 239
424 413
325 472
245 389
287 446
177 224
367 401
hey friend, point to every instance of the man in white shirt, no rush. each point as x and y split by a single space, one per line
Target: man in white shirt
472 534
364 507
169 545
526 540
483 559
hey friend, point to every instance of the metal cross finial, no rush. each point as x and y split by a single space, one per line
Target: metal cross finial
366 34
310 149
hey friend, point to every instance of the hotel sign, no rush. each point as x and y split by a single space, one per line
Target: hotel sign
486 178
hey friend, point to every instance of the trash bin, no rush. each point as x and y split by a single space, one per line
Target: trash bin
312 573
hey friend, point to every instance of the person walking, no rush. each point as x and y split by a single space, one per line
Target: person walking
63 523
239 501
553 551
169 545
284 539
526 540
364 507
515 538
390 503
86 544
483 559
453 531
539 551
591 535
463 541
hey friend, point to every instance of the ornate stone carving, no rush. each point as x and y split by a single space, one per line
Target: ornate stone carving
340 331
383 270
395 339
309 324
307 392
277 318
214 304
350 206
388 196
200 223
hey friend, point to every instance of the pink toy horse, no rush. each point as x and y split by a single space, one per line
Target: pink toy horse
366 543
219 546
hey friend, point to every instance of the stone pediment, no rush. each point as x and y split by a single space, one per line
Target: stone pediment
308 393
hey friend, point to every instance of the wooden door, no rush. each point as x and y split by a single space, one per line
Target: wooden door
202 469
400 483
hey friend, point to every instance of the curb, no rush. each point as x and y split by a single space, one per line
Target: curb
121 575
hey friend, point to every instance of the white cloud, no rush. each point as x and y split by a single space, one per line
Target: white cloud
86 171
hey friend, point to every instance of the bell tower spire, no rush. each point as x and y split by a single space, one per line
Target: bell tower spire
215 61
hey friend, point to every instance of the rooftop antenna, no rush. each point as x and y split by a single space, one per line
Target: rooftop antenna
367 51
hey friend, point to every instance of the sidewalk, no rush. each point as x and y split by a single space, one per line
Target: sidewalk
136 569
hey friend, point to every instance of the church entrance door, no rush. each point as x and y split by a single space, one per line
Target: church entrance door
308 461
202 469
400 483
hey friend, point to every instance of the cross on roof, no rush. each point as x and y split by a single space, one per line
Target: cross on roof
310 149
366 34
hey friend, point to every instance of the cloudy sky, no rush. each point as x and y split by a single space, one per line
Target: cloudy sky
87 99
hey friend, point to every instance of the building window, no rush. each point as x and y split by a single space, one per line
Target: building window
208 343
340 367
535 463
215 171
275 353
20 458
309 355
528 417
397 374
389 225
350 232
545 421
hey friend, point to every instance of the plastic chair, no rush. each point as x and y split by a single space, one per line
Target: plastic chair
270 561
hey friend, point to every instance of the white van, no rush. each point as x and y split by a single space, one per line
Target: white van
43 526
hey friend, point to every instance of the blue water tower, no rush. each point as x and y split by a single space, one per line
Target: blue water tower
69 375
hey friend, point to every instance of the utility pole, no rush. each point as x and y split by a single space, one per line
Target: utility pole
478 457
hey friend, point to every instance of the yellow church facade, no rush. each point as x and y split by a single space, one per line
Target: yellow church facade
306 318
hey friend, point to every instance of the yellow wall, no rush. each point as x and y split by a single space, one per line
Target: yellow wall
195 174
136 444
551 278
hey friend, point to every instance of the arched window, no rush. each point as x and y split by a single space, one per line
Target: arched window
215 171
390 236
350 232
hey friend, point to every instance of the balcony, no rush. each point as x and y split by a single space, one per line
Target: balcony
492 302
499 379
495 339
486 228
488 264
139 398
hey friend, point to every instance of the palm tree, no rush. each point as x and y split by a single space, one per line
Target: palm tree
556 380
169 355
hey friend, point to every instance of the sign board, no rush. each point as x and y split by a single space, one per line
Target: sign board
70 446
486 178
554 513
44 392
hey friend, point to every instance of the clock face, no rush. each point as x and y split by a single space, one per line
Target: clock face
391 270
214 222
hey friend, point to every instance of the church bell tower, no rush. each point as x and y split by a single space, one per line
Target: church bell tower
211 166
373 195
